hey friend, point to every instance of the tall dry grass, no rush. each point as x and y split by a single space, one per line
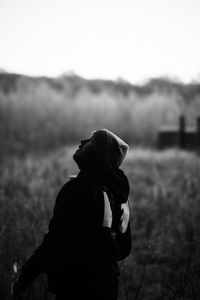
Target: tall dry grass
165 210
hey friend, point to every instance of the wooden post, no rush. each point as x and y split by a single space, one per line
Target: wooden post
198 132
182 131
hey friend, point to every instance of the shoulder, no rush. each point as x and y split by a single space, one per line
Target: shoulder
78 185
74 194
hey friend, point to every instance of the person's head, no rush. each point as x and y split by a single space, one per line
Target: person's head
102 150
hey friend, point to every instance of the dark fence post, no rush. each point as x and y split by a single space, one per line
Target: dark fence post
182 131
198 132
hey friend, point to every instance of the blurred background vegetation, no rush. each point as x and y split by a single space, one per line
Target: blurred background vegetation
38 114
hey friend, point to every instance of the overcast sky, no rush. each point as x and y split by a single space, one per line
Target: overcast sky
131 39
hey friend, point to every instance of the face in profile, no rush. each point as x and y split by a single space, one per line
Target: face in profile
85 155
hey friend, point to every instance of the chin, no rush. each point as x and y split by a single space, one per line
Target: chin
76 152
76 157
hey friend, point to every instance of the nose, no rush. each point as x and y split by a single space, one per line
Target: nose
83 142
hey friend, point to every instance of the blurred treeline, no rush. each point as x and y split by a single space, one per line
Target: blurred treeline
45 113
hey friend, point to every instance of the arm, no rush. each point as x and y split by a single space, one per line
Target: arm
67 221
39 260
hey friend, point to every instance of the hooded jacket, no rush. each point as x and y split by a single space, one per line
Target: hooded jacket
86 221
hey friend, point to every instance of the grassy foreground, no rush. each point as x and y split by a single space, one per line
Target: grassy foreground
165 208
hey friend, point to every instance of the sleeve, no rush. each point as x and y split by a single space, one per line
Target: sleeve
61 226
123 234
124 242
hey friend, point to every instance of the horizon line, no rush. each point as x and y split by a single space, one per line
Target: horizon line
118 79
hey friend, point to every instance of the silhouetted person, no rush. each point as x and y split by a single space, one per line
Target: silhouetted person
89 231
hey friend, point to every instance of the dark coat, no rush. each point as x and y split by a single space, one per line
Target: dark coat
77 245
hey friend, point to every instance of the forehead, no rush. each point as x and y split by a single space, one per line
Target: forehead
88 139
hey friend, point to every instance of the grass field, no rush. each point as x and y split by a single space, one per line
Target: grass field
165 222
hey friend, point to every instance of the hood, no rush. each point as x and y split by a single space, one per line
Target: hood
110 152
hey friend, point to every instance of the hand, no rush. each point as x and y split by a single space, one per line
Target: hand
18 290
